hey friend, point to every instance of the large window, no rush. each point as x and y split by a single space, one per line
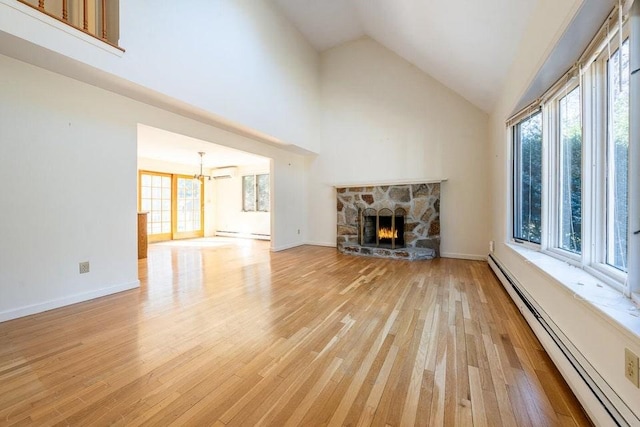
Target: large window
617 156
527 194
255 193
571 163
570 172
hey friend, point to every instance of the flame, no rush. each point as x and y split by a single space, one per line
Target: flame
387 233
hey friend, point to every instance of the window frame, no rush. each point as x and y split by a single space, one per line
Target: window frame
592 82
554 175
255 192
516 180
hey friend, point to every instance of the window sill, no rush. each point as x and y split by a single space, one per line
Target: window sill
607 302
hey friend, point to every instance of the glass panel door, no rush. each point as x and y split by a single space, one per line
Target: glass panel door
155 198
188 207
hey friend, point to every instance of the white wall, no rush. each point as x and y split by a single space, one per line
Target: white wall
240 60
68 173
68 167
229 214
599 340
177 168
385 120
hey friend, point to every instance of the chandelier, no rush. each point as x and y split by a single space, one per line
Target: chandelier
200 176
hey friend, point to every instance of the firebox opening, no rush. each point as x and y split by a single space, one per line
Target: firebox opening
388 232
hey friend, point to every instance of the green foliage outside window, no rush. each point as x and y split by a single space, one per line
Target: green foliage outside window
528 179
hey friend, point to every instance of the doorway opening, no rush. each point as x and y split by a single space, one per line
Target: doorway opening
189 188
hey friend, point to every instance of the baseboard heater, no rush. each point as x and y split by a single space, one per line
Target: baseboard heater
620 413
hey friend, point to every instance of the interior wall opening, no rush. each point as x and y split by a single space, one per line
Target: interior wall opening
191 188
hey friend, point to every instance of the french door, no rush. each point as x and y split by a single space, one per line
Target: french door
175 205
188 207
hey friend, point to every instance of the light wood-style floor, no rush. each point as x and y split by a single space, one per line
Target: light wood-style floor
236 335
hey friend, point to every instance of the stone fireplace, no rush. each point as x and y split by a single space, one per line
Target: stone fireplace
391 221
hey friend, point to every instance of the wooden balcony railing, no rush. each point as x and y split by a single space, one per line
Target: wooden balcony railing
98 18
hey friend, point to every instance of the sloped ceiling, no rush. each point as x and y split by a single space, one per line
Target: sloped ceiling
467 45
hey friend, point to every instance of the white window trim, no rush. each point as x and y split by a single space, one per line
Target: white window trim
255 187
512 153
593 94
554 174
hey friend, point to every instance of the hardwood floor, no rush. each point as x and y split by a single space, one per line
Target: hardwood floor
236 335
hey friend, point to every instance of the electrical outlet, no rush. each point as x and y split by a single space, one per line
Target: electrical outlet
631 366
298 231
84 267
492 246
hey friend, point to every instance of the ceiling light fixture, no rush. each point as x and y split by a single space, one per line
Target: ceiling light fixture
199 177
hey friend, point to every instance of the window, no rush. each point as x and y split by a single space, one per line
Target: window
255 193
617 156
570 173
527 194
571 163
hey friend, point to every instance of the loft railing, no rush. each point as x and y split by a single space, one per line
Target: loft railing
98 18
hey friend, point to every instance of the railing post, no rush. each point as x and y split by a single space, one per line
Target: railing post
104 19
92 24
85 13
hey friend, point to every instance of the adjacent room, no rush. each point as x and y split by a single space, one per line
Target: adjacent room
189 188
338 212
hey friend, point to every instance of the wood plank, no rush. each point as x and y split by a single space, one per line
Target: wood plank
234 334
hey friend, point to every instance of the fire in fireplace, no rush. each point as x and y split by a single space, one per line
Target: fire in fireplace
387 233
383 228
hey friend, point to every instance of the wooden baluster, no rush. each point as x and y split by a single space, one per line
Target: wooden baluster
104 19
41 4
85 23
65 10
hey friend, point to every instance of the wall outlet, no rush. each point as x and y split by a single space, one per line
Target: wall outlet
631 367
492 246
298 231
84 267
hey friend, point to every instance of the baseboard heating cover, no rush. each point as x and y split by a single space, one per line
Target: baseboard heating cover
614 406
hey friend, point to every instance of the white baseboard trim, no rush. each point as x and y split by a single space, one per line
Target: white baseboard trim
285 247
68 300
327 244
242 235
463 256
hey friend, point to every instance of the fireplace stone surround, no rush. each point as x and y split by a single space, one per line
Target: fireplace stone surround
421 234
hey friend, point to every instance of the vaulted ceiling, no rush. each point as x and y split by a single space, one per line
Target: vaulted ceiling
467 45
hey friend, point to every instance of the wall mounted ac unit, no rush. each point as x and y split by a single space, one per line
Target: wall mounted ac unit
222 173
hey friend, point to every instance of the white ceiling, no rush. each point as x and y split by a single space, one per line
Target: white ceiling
468 45
158 144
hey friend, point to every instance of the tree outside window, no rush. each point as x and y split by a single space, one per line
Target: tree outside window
255 193
527 195
618 157
570 221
